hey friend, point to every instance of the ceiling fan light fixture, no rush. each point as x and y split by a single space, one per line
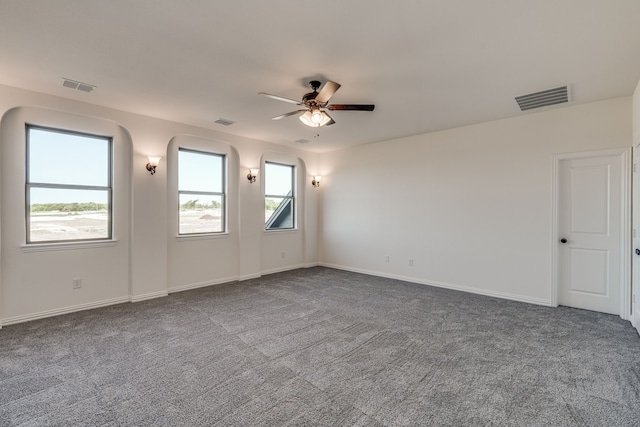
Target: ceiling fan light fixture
306 119
315 118
326 119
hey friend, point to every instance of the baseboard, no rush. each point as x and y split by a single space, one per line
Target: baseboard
281 269
151 295
485 292
634 318
249 277
201 284
137 298
241 278
65 310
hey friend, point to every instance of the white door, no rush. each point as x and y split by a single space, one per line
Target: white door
590 232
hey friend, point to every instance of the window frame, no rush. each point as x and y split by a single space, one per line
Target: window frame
292 197
223 194
29 185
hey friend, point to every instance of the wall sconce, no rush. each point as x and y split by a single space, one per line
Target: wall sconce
153 163
316 181
251 176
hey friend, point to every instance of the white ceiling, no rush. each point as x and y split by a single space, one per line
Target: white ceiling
426 65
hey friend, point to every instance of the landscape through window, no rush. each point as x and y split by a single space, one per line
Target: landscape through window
68 186
201 196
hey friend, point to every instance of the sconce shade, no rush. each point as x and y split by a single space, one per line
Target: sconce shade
153 163
316 181
251 176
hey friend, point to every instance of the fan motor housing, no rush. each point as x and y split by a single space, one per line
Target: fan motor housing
308 97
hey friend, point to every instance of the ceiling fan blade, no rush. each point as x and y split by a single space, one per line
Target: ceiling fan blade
280 98
282 116
351 107
327 91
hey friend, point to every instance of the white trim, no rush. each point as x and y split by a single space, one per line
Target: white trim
66 310
249 277
204 284
281 231
626 309
201 236
66 246
596 153
151 295
281 269
554 230
635 281
625 225
461 288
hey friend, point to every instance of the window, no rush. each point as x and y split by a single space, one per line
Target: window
279 198
68 186
201 192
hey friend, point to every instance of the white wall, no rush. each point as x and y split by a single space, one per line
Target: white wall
202 260
471 206
39 276
147 261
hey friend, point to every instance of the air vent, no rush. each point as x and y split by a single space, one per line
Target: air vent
543 99
302 141
83 87
224 122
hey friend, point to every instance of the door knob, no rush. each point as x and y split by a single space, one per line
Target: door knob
637 251
563 240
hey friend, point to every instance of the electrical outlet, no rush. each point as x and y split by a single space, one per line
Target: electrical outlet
410 262
77 283
282 255
386 258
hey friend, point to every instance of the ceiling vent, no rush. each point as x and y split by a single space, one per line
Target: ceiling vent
83 87
302 141
224 122
543 99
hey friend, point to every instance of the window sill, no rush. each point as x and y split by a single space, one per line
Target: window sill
67 246
281 231
205 236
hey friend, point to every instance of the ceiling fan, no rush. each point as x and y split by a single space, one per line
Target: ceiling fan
315 103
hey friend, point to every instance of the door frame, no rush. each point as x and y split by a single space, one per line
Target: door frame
635 280
625 224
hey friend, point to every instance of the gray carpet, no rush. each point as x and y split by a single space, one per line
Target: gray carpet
321 347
